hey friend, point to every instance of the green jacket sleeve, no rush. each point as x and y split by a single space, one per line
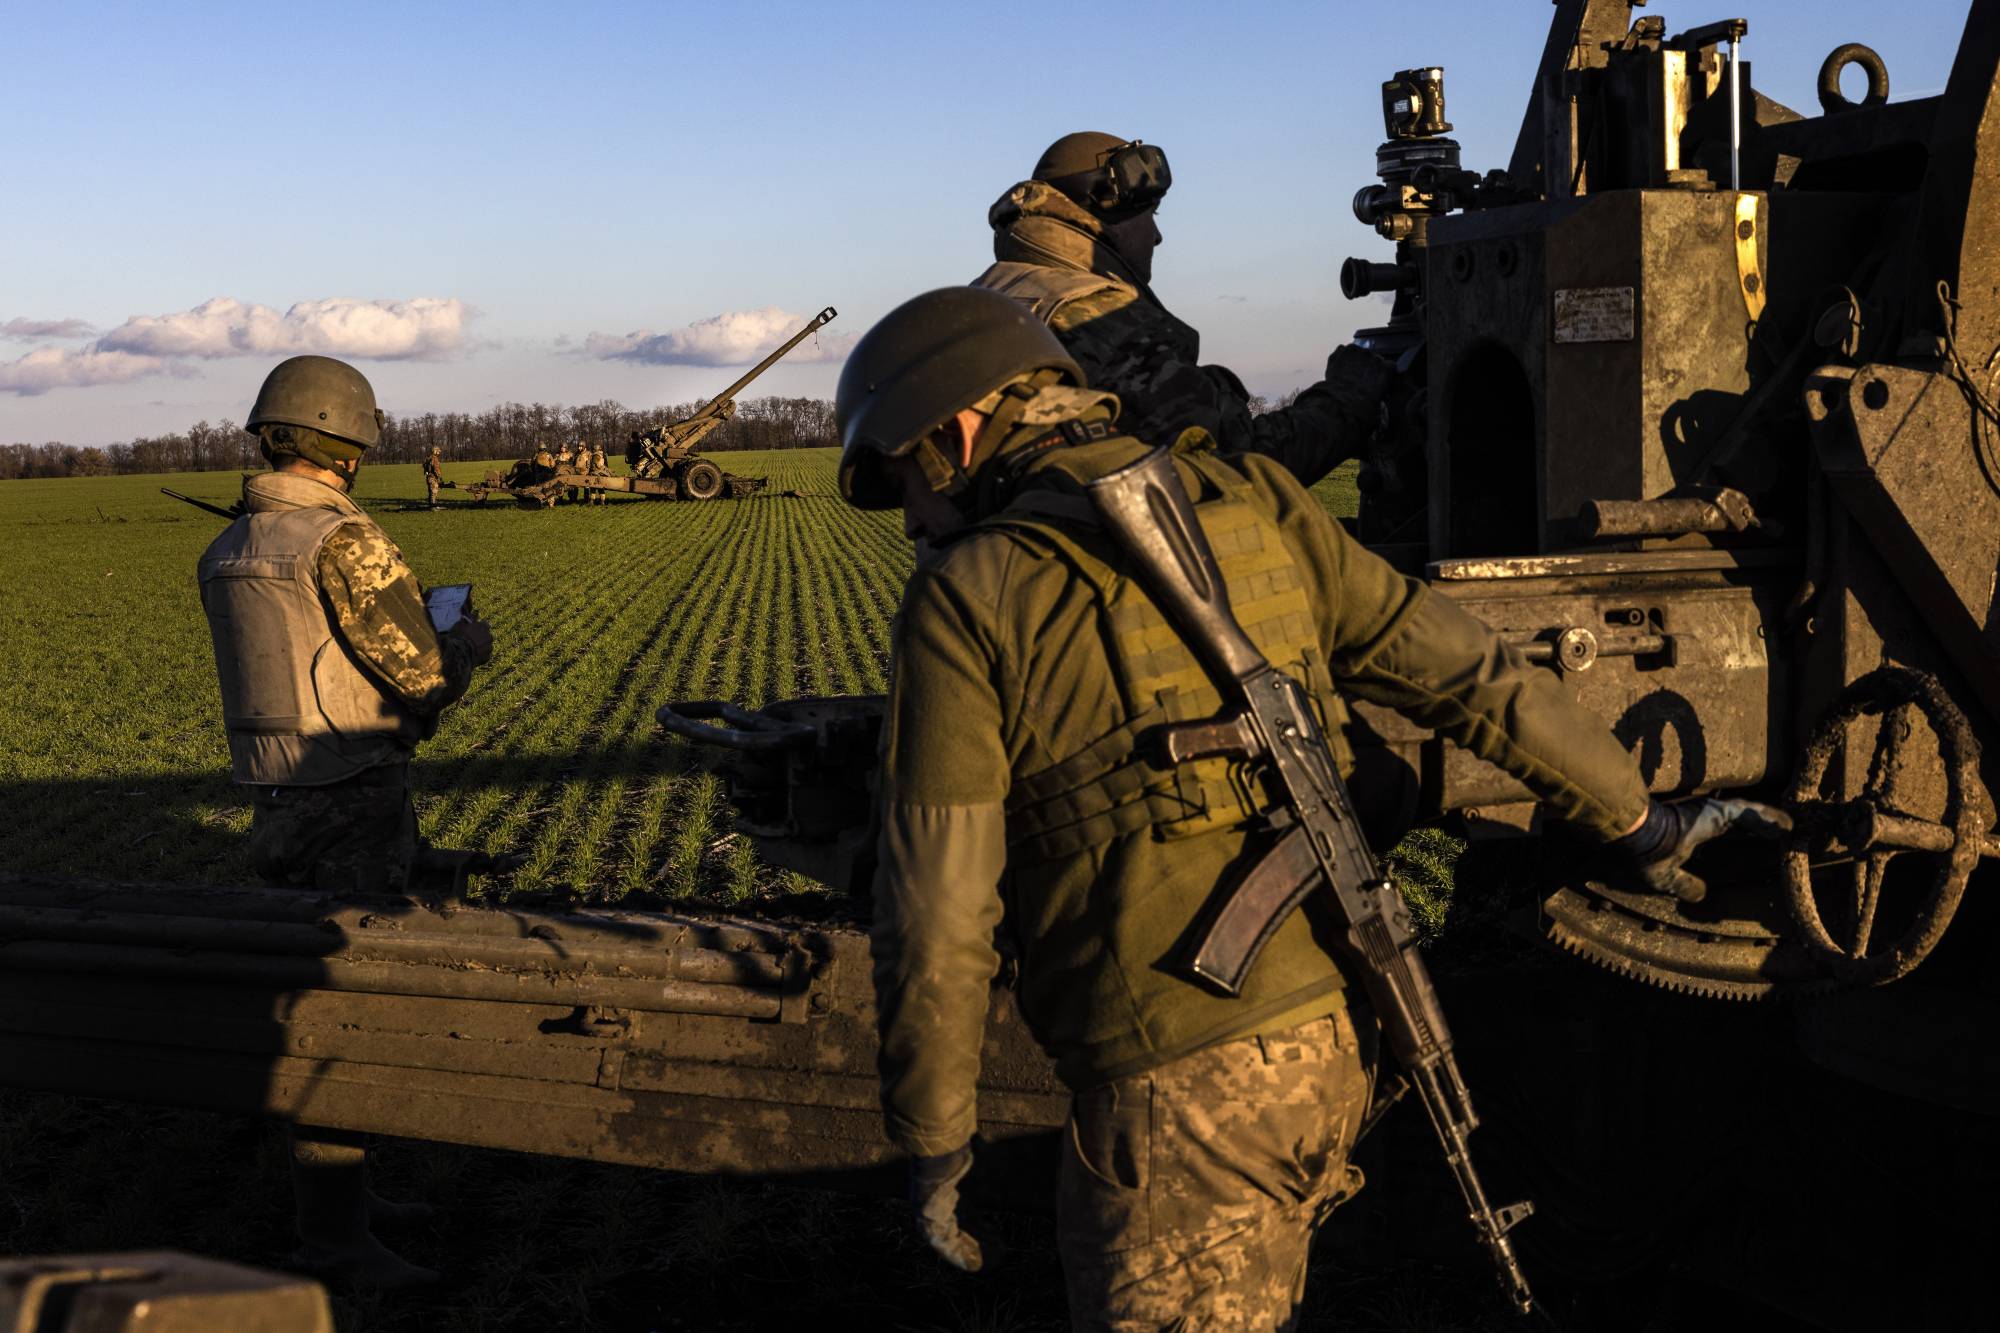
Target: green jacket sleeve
1328 423
1392 641
943 850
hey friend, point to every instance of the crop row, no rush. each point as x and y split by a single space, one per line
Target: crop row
113 757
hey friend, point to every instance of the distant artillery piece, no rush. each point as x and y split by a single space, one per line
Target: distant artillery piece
662 459
663 462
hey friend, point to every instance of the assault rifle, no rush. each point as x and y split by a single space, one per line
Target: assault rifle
1268 721
232 513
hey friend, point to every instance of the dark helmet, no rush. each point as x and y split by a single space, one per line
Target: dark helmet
1111 176
320 394
921 364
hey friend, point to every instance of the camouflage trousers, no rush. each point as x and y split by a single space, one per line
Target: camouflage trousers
1189 1194
358 835
431 485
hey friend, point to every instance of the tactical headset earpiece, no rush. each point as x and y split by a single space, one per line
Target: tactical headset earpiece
1135 177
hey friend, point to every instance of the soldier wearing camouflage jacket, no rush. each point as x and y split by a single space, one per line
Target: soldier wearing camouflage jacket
331 800
1021 803
330 673
1083 264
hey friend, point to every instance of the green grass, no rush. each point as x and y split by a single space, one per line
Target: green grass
113 749
114 741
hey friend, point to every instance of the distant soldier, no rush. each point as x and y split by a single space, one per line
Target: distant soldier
434 473
1074 243
565 455
598 468
331 674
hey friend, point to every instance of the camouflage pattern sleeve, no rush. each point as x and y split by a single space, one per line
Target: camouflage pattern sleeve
1148 358
1328 423
378 609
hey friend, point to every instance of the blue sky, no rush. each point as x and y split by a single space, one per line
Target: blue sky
568 170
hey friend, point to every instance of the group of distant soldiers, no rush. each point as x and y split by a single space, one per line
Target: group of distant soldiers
539 467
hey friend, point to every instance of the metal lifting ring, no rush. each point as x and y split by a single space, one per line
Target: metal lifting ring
1871 833
1831 99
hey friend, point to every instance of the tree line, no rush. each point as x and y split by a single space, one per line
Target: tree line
508 431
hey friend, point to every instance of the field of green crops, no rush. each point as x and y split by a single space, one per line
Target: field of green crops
113 764
113 752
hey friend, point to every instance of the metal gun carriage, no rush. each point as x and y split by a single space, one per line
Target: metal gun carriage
1697 409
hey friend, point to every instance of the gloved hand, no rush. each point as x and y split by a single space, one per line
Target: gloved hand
1359 372
1659 848
934 1195
477 636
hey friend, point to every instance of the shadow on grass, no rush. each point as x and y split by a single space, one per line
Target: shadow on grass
193 825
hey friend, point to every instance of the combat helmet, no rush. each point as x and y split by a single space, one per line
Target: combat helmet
329 404
1113 177
922 363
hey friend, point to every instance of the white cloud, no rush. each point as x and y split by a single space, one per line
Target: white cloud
48 368
425 328
30 329
734 338
422 329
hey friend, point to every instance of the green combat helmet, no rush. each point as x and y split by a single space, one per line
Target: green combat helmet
921 364
329 406
1113 177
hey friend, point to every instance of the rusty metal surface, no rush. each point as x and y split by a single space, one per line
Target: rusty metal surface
658 1039
155 1291
1875 828
1717 509
1717 953
1903 449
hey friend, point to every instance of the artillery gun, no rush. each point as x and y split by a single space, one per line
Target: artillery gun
1697 410
1696 407
665 455
662 463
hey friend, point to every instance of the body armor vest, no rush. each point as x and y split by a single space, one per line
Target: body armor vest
300 712
1043 288
1113 787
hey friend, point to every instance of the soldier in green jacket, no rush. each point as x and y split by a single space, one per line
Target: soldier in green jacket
1074 243
1208 1134
330 674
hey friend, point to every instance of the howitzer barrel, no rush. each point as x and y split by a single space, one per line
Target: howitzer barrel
812 326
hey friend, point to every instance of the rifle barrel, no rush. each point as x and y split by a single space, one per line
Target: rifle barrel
217 510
